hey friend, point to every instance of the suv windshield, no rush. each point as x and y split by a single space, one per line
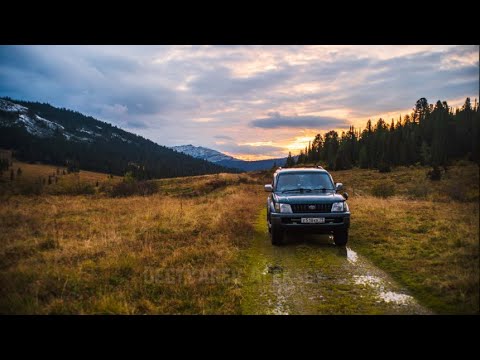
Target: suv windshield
304 181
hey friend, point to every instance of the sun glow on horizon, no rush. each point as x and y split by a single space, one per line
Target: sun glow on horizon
297 143
248 101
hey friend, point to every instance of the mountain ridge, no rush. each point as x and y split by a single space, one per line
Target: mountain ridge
222 159
41 132
201 152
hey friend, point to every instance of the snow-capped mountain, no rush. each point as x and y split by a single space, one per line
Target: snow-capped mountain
204 153
38 126
44 133
219 158
34 124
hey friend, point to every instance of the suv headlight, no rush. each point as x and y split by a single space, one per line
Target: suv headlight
339 206
283 208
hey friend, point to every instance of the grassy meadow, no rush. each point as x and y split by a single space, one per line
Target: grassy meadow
424 233
176 251
37 179
134 255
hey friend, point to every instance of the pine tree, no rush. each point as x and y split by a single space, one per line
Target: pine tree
290 162
301 158
476 133
363 158
317 147
425 154
331 148
439 138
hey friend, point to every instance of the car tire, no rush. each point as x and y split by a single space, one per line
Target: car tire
276 235
340 237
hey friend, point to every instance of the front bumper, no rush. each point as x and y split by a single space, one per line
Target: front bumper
333 221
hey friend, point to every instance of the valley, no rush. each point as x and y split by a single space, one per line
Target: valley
197 245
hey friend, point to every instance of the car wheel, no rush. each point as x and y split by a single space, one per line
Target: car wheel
276 235
340 237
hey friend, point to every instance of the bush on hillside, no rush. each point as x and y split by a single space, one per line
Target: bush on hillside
435 174
383 190
130 188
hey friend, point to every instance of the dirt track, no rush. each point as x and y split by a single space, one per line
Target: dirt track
310 275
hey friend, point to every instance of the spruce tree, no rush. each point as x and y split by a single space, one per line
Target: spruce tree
290 162
363 158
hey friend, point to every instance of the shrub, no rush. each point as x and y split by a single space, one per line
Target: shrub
71 187
28 187
242 179
383 190
419 190
48 244
456 192
215 184
131 188
384 167
463 162
435 174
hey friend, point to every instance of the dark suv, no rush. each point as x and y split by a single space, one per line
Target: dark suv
306 199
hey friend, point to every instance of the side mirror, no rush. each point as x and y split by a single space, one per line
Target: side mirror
268 188
338 186
345 195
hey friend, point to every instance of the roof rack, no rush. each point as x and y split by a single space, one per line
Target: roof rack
320 167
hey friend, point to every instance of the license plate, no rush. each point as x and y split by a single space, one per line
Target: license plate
312 220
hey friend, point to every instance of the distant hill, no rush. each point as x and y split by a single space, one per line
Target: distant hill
219 158
43 133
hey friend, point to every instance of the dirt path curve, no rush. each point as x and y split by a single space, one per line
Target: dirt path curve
310 275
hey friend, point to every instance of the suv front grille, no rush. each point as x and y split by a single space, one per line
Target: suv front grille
311 208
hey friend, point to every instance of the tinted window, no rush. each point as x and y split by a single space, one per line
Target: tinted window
304 180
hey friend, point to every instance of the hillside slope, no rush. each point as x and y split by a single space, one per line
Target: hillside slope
41 132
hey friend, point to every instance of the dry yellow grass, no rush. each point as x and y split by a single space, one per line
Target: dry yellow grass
156 254
34 171
459 183
429 247
429 239
36 179
176 251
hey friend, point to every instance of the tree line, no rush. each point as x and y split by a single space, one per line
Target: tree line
430 135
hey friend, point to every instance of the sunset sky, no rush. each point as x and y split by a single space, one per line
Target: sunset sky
251 102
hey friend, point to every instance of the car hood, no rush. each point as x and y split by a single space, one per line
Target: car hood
308 198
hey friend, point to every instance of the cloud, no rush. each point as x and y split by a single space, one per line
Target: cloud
220 82
159 91
276 120
223 137
396 83
251 150
115 110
